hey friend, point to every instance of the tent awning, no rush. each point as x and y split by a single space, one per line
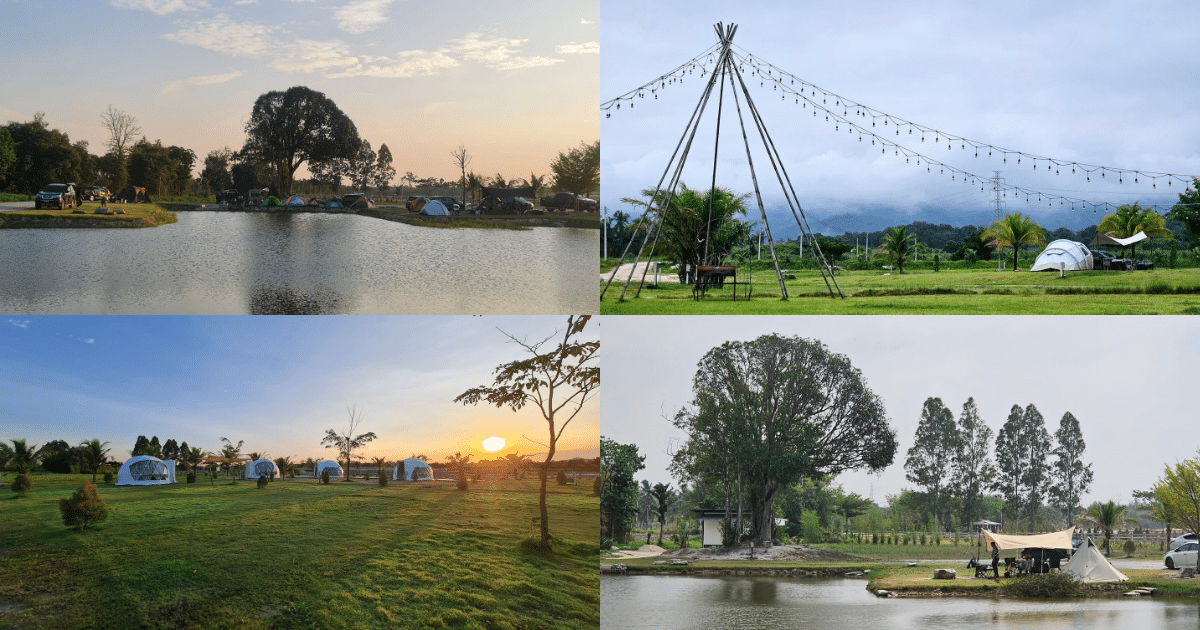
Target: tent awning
1104 239
1053 540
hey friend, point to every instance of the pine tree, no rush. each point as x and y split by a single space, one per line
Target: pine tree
84 508
1071 477
973 470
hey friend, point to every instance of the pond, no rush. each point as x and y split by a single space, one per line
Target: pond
679 602
253 263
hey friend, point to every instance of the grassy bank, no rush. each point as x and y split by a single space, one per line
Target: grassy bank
136 215
299 554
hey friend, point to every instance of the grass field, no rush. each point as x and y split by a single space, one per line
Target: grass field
152 215
958 292
299 555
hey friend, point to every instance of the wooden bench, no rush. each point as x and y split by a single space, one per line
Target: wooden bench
717 277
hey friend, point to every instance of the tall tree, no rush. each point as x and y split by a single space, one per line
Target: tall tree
536 182
1022 452
300 125
699 226
663 498
122 129
558 382
43 155
170 449
346 443
1014 231
384 171
1131 219
798 409
93 454
973 469
8 153
1179 490
578 170
618 488
230 453
899 245
216 176
1187 209
360 168
461 160
1070 476
23 457
931 457
140 445
57 457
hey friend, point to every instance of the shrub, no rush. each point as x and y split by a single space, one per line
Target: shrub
922 539
561 478
596 487
461 484
1054 585
84 508
108 474
874 538
325 477
191 476
382 479
22 484
1130 547
810 526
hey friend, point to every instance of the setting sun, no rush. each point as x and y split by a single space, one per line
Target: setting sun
493 444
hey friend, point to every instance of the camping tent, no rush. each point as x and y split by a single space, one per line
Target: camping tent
404 470
334 203
434 208
1089 565
1053 540
334 468
295 200
146 470
1104 239
357 202
1075 256
262 468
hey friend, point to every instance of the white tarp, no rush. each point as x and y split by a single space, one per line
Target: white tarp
403 471
1104 239
1053 540
334 468
1064 254
434 208
1089 565
145 470
262 468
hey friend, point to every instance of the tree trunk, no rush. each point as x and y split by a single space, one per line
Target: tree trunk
740 526
767 518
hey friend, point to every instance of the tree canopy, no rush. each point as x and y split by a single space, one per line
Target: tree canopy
1131 219
931 456
300 125
699 226
1022 451
578 170
1071 476
1014 231
1188 208
618 488
899 246
1179 492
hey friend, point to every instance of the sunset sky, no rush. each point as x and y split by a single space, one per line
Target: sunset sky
515 82
275 382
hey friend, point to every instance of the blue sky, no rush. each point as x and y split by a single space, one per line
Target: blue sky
515 82
275 382
1109 83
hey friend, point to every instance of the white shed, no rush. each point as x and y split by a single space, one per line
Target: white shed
146 470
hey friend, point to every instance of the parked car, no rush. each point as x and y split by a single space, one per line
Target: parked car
94 193
229 195
511 205
451 204
1181 539
565 200
61 196
1184 556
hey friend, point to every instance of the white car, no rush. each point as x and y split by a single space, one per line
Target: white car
1182 539
1184 556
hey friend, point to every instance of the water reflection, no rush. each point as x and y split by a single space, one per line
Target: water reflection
684 602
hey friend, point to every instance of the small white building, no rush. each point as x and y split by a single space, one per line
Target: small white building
334 468
146 470
403 471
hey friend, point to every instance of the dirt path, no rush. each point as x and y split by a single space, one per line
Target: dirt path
645 551
664 274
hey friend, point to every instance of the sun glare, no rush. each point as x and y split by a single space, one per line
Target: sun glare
493 444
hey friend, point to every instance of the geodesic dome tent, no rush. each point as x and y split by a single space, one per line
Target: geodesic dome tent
334 468
146 470
262 468
404 470
434 208
1074 256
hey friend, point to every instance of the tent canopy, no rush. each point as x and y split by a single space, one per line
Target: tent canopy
1063 254
1104 239
1089 565
1053 540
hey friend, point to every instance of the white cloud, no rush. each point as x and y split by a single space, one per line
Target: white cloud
211 79
241 3
496 52
407 63
161 7
526 62
20 324
224 35
362 16
88 340
586 21
589 48
306 55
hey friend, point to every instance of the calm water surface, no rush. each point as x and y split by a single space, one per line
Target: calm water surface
234 263
718 603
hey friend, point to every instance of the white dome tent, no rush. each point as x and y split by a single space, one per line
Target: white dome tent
262 468
434 208
404 470
146 470
1064 255
334 468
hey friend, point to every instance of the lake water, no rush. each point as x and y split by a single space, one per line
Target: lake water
724 603
254 263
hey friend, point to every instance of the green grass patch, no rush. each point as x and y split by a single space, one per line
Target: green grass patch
300 554
7 197
144 214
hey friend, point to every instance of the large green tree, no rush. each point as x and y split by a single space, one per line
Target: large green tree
931 457
384 171
1188 208
1022 452
1014 231
699 226
1130 219
299 125
41 156
973 470
899 246
796 410
577 170
1179 491
162 170
1070 476
618 488
663 499
216 176
122 129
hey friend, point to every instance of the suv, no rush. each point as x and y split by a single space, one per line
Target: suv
95 193
566 200
228 196
61 196
450 202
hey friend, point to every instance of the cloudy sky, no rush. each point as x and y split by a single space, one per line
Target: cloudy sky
1109 83
1131 393
275 382
515 82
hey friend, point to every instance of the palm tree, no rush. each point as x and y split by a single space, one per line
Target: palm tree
499 182
1130 220
193 457
701 228
1014 231
537 182
22 457
285 464
474 183
1109 516
517 464
380 463
94 455
458 461
662 503
899 246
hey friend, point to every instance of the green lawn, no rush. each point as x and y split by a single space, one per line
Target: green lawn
298 554
152 215
958 292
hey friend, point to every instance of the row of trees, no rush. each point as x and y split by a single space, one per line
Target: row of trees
952 461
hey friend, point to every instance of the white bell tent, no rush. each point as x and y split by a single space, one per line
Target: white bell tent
146 470
262 468
404 470
334 468
1064 255
1090 565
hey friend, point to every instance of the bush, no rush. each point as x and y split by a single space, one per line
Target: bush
461 484
810 526
108 477
191 476
1054 585
325 477
84 508
561 478
22 484
1130 547
382 479
596 487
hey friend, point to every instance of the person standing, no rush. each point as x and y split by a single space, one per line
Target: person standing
995 560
